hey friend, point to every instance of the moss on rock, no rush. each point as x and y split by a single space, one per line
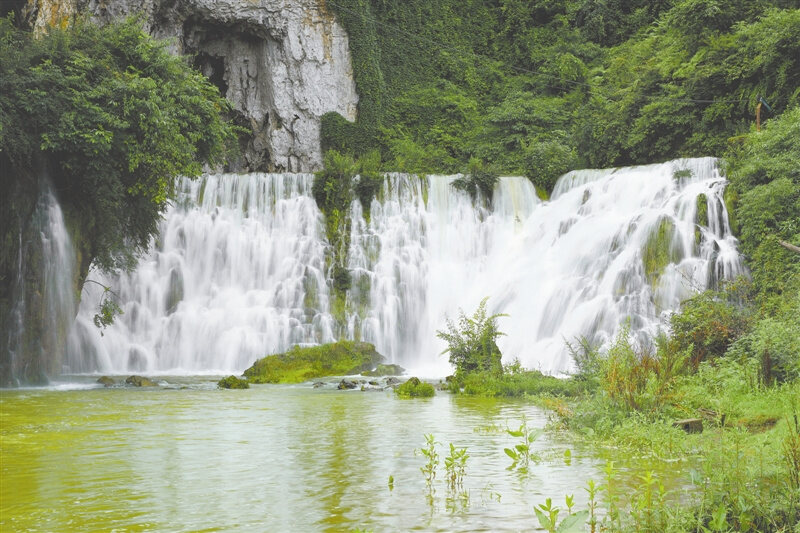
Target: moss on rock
658 251
385 370
302 364
414 388
232 382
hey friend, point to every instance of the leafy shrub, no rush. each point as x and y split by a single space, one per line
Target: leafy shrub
472 343
774 344
545 160
478 178
707 325
414 388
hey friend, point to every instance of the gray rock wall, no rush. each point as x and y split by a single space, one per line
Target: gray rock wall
282 64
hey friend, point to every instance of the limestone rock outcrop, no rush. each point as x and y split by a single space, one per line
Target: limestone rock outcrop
281 63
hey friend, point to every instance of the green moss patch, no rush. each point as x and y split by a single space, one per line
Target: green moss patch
302 364
414 388
232 382
385 370
658 251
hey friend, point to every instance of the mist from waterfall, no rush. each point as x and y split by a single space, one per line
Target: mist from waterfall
239 268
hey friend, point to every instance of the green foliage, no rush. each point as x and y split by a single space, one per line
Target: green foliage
546 158
455 465
112 118
522 453
478 179
302 364
432 459
109 310
707 325
232 382
547 515
543 87
414 388
472 343
520 384
773 343
766 181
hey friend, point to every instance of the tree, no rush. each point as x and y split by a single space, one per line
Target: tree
111 118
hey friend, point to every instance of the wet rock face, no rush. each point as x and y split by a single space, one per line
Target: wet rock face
282 64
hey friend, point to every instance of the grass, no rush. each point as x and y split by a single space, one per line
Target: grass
301 364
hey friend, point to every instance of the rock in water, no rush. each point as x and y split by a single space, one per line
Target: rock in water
343 358
139 381
346 384
106 381
232 382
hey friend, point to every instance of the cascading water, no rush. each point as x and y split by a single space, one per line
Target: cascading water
44 300
238 271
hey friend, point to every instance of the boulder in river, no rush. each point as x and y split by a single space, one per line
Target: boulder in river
343 358
106 381
347 384
139 381
232 382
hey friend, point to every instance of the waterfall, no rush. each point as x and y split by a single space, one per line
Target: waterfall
239 268
43 294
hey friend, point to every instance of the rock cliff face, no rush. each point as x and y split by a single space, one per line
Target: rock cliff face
282 63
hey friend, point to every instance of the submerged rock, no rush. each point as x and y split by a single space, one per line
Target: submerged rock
343 358
106 381
319 384
232 382
139 381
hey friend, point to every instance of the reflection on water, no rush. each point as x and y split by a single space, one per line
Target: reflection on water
271 458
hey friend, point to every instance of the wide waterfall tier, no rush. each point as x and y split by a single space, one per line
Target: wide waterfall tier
240 269
237 272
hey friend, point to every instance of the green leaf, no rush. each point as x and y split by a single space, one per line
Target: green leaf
511 453
544 521
573 523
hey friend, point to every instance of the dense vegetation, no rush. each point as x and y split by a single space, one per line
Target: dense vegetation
111 118
541 87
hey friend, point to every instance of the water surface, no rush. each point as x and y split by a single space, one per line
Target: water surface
188 457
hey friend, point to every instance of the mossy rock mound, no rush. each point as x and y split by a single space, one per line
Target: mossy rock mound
232 382
385 370
414 388
343 358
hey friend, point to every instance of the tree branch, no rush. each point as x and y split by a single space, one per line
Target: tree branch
790 247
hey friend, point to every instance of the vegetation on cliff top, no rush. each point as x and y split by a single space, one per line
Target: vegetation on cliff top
300 364
541 87
111 118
